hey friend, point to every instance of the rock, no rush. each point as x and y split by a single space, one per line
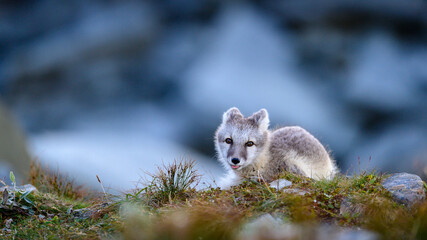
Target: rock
266 219
280 183
295 191
92 212
326 232
350 208
357 235
406 188
269 227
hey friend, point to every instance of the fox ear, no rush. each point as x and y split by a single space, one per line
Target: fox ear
231 114
261 119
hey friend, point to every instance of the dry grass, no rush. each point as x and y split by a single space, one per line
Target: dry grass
169 207
49 181
172 182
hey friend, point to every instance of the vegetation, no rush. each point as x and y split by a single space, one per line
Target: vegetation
170 207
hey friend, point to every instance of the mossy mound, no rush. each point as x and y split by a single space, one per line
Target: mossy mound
162 212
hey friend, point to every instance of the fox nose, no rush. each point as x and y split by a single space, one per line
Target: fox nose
235 160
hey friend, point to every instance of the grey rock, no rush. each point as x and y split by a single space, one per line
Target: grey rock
266 219
326 232
350 208
269 227
405 188
280 183
83 213
86 213
295 191
357 235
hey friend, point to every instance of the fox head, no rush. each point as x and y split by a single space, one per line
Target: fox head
239 140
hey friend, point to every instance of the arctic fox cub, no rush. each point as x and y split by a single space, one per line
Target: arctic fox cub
247 149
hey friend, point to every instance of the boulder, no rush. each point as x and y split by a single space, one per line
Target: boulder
406 188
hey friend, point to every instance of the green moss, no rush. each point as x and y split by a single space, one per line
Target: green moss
160 211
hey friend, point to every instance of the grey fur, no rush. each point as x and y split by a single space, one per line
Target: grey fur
286 149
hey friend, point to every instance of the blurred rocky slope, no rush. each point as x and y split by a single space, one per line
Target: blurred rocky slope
13 149
351 72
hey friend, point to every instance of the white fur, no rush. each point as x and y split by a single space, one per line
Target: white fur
292 148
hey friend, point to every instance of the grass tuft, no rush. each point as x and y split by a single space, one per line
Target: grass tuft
174 181
49 181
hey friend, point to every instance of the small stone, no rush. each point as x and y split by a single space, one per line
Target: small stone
350 208
83 213
295 191
407 189
357 235
267 219
89 212
280 183
267 227
331 232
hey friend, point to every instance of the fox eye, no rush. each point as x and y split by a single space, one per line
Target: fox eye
249 144
228 141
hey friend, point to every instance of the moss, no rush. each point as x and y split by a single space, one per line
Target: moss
180 212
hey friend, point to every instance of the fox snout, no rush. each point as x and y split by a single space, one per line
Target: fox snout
236 154
235 163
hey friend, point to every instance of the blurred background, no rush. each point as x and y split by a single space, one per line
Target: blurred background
115 88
